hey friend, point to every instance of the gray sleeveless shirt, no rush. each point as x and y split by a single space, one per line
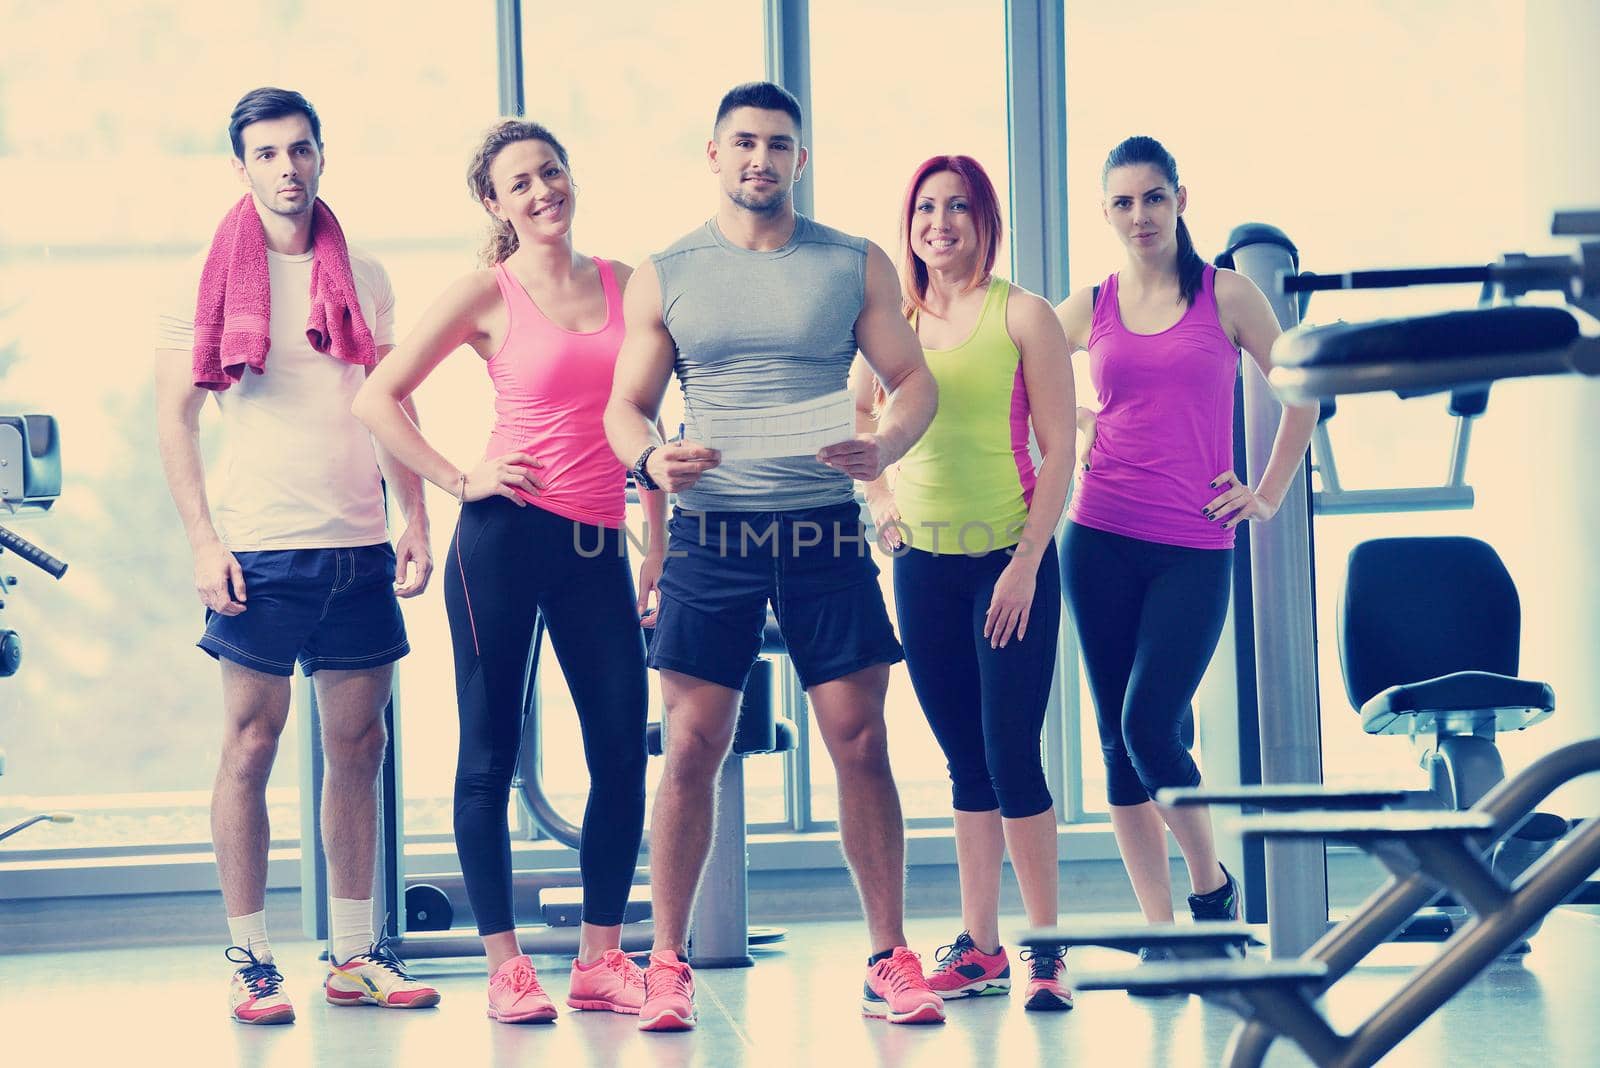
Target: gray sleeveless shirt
755 329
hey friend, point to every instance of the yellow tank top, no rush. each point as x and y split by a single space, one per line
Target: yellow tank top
966 485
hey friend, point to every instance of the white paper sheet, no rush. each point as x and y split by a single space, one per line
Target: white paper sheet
783 430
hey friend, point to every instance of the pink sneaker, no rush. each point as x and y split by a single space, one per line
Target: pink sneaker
965 971
611 984
515 995
668 995
1047 981
896 991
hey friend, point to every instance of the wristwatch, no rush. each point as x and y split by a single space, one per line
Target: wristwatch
641 476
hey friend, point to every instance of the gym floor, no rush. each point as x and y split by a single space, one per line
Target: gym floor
797 1006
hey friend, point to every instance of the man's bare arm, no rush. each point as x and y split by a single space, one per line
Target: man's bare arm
644 368
413 552
218 578
891 350
403 482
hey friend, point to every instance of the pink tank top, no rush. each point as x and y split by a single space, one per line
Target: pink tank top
1165 428
550 391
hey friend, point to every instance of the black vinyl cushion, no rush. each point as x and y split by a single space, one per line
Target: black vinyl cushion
1256 234
1449 335
1470 402
1416 609
772 642
787 734
1463 690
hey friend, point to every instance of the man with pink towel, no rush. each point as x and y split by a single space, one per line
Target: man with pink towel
281 321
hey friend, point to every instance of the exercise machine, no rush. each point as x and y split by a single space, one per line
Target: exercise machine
30 482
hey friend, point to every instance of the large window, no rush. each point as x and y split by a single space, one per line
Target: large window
115 161
1374 134
1383 133
881 104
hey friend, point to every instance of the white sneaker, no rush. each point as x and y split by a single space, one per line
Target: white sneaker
255 995
377 977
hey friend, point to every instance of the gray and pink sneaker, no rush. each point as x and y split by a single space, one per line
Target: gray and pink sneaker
965 971
895 990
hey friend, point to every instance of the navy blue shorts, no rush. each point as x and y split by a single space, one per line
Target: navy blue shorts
326 608
815 567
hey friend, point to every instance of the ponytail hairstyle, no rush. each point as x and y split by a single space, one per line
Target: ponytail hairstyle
982 203
1137 150
502 238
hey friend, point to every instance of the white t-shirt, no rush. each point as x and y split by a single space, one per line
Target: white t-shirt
297 470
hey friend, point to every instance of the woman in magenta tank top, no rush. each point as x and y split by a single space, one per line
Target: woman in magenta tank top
540 534
1147 556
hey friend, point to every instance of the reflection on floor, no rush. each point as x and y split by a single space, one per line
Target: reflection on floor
797 1006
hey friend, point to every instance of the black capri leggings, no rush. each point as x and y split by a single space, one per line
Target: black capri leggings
505 565
1148 617
986 706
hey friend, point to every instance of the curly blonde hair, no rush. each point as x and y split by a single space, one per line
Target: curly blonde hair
502 238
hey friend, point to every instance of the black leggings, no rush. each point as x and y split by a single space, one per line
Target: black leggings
986 706
506 565
1148 617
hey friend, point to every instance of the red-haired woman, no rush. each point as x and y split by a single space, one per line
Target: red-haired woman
971 520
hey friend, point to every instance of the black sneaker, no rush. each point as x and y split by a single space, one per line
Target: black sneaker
1154 955
1222 904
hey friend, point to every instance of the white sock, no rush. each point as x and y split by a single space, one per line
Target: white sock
350 925
250 932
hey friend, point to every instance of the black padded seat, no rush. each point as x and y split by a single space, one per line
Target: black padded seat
772 643
787 734
1446 336
1201 975
1466 700
1282 796
1422 608
1218 937
1365 826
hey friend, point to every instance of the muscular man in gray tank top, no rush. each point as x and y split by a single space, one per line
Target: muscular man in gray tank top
762 307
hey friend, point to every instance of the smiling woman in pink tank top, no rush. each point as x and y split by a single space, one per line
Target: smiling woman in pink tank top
540 539
1146 559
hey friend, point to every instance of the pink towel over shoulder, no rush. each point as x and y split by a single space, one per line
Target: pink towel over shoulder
233 309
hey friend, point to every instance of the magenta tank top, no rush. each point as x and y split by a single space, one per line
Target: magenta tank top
1165 428
550 391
